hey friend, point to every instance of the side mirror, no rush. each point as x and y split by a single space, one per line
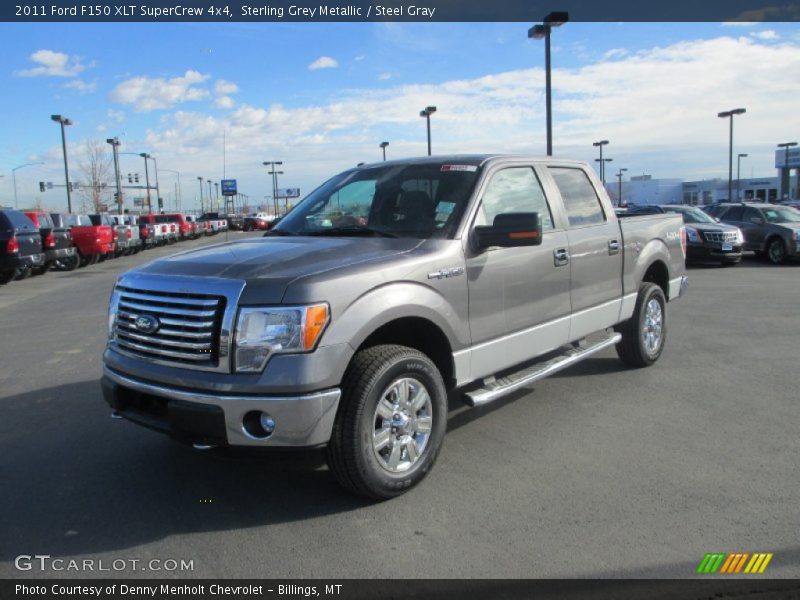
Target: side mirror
509 230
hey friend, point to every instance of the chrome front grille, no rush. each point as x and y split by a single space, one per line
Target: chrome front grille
176 327
719 237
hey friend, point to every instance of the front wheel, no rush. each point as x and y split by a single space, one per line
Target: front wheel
643 335
391 422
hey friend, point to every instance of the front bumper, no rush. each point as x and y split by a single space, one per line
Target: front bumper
219 419
701 252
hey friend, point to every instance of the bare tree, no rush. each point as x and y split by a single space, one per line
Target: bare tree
97 176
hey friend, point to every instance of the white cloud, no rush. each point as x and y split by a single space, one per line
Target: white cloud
323 62
53 64
767 35
224 102
115 116
384 76
360 57
82 87
738 23
225 88
146 93
615 53
658 108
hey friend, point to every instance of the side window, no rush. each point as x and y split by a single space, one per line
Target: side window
751 213
580 200
734 213
516 189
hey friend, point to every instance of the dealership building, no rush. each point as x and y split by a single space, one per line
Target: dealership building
643 189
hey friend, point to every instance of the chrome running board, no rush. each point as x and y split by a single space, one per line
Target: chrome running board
497 388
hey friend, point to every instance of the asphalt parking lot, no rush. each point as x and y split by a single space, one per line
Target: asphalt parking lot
599 471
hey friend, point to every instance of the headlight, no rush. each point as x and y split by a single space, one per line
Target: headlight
796 235
264 331
739 236
113 307
692 235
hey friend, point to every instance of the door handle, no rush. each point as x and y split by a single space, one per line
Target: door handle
613 247
560 257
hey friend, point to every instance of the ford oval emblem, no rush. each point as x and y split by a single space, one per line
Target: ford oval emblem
146 323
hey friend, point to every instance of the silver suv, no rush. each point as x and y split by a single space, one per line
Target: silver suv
772 231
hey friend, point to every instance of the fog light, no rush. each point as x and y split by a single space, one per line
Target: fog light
258 425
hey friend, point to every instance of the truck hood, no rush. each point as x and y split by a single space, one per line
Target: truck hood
269 265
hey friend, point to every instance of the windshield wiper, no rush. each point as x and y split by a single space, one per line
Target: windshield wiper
351 231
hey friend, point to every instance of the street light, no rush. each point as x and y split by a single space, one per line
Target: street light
600 145
145 156
272 163
210 201
427 112
739 158
180 192
728 114
383 147
115 143
619 194
14 179
200 179
63 121
554 19
603 162
786 146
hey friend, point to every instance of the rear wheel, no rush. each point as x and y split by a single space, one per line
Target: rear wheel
42 270
69 263
22 273
776 251
644 334
391 422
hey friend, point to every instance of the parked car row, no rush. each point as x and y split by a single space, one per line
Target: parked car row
33 242
721 232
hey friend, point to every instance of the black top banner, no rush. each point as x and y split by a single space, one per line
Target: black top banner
401 11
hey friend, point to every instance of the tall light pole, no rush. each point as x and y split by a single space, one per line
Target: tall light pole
619 194
277 199
115 143
145 156
603 162
600 145
383 147
427 112
63 121
739 158
271 164
728 114
554 19
14 179
208 181
180 192
200 180
787 170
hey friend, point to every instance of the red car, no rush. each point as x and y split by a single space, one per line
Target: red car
185 228
255 224
94 242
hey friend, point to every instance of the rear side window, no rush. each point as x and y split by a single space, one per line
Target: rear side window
516 190
45 222
17 220
580 200
734 213
750 214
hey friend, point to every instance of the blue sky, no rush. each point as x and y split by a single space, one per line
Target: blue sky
652 89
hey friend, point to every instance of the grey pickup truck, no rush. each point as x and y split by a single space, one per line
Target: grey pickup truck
389 288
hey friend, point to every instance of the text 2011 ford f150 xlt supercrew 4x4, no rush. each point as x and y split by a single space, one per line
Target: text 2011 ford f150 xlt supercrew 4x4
389 286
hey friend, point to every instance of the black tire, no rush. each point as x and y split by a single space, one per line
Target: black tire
6 276
42 270
776 251
70 263
632 349
22 273
357 465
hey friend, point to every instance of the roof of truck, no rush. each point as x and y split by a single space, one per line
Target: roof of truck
468 159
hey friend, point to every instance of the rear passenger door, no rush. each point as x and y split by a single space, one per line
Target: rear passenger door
753 226
595 253
518 297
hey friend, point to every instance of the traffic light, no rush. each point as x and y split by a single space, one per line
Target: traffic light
136 178
160 203
130 178
41 186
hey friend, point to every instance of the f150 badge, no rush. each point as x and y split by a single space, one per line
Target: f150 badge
445 273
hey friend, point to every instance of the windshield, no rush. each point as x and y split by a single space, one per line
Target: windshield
423 200
781 215
690 215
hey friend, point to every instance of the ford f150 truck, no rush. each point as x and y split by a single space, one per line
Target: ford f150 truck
387 288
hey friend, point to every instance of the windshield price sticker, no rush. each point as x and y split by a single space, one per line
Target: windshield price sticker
470 168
